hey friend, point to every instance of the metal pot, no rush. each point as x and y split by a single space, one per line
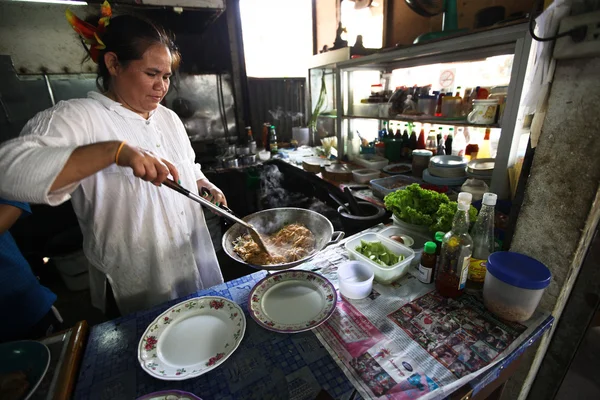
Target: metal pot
249 159
242 151
270 221
231 163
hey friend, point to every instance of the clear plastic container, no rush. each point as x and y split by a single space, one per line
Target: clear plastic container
514 284
384 186
365 175
355 279
384 275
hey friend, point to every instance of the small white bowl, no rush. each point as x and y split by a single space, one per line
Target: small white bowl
264 155
355 279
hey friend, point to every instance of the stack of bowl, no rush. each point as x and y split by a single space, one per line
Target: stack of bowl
481 168
446 171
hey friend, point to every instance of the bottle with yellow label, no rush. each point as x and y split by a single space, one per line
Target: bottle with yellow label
483 242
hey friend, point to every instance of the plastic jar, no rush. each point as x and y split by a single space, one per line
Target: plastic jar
420 161
514 285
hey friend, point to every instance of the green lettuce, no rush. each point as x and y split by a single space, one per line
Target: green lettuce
415 205
445 215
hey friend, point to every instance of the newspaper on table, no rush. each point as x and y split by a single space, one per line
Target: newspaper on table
405 341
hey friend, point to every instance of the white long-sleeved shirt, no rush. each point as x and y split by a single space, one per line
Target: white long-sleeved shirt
150 242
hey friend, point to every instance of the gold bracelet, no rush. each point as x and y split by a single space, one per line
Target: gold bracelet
119 152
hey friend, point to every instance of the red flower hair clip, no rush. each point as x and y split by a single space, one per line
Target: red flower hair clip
89 34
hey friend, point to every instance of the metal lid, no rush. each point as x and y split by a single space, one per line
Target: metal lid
422 153
519 270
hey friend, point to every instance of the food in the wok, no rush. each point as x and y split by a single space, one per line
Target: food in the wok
291 243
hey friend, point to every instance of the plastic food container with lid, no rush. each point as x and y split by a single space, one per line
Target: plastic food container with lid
384 275
365 175
514 284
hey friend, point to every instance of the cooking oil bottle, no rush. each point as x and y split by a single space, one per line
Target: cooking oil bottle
457 245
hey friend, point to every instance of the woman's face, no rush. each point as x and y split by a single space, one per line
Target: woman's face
141 84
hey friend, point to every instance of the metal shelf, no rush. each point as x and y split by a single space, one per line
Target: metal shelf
434 120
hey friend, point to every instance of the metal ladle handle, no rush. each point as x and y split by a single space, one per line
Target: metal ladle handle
178 188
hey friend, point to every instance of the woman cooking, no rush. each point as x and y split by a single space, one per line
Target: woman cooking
109 153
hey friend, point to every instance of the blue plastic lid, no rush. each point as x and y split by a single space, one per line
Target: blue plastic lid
519 270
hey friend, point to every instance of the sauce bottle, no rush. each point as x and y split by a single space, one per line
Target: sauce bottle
427 265
432 142
457 246
449 139
273 141
406 150
421 141
412 142
485 150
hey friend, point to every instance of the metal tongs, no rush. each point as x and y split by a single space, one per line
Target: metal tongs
221 210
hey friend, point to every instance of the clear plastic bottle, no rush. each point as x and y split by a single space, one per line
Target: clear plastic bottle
483 242
457 245
458 144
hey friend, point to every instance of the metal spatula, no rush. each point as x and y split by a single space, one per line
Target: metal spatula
225 212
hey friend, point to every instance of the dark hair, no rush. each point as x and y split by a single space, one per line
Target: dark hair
129 37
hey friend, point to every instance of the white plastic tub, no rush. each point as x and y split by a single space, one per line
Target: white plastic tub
364 175
355 279
371 161
384 275
514 284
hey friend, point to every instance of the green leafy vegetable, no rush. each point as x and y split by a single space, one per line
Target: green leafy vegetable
377 252
442 220
414 204
418 206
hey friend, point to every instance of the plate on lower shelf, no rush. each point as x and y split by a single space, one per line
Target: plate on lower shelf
397 169
170 395
191 338
292 301
23 366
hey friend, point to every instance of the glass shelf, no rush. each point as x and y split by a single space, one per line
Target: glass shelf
422 120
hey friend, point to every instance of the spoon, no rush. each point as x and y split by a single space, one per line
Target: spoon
223 211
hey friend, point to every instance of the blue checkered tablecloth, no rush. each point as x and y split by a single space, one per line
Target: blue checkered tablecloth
267 365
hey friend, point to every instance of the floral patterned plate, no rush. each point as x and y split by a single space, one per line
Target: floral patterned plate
292 301
191 338
170 395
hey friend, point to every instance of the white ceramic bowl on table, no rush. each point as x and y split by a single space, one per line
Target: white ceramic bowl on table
384 275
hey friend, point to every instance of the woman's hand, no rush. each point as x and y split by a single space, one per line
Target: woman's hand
216 196
146 165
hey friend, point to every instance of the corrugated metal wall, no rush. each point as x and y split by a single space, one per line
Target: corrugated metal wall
280 101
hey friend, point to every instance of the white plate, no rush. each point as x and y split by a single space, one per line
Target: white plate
448 162
292 301
191 338
482 165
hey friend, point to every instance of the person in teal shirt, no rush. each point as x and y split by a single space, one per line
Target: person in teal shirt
25 305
